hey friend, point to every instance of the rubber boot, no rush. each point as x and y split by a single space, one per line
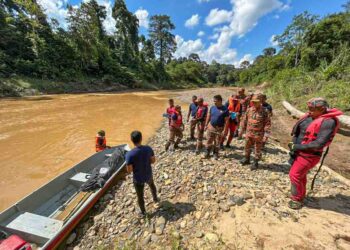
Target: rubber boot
255 165
245 161
229 140
176 145
216 154
167 145
198 148
207 154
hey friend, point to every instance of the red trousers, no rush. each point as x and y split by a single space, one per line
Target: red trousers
231 129
298 174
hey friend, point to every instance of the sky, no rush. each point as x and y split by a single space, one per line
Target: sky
228 31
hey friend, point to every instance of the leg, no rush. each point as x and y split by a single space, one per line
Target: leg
171 140
192 128
247 151
232 130
257 153
210 140
217 141
179 136
298 175
200 132
139 187
153 190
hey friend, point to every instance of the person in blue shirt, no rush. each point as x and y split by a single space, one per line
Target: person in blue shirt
217 120
192 110
139 161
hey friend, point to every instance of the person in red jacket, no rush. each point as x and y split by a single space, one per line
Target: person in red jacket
176 128
234 106
100 141
311 134
170 110
200 117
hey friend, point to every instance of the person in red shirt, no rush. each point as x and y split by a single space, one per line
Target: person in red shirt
170 110
176 128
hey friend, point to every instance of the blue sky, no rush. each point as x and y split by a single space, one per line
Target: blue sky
227 31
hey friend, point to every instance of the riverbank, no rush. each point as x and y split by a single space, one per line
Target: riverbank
209 204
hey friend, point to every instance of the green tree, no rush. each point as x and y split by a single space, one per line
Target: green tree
163 40
293 36
269 51
126 35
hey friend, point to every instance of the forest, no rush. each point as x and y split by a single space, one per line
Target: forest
311 55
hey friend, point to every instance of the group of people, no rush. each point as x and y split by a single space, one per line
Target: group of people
242 115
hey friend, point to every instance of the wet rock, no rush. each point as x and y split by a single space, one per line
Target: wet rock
71 238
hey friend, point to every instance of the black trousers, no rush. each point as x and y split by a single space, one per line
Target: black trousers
140 187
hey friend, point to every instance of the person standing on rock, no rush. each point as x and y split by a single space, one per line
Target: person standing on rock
311 134
139 161
201 114
257 124
170 110
192 113
234 107
175 129
216 121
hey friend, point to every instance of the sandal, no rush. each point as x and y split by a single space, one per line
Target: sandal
295 204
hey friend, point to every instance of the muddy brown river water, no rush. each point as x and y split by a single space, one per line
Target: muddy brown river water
40 137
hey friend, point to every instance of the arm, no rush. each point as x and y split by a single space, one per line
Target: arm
188 113
207 121
323 137
267 127
129 168
244 124
153 159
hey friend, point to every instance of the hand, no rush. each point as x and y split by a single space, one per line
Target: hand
205 128
265 139
291 146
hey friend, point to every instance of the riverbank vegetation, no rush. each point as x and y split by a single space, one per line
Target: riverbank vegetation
37 55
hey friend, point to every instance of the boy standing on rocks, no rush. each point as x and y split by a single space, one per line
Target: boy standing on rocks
257 124
217 120
139 161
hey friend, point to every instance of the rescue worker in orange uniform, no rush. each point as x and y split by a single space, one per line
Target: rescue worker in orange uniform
175 129
200 117
257 124
234 107
311 134
100 141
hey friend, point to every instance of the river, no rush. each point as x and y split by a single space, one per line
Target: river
41 137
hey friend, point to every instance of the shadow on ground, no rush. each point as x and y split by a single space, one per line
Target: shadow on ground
173 211
339 203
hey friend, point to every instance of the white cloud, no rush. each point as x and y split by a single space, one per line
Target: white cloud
276 16
55 9
142 15
185 48
214 37
246 57
273 43
217 16
201 33
203 1
192 21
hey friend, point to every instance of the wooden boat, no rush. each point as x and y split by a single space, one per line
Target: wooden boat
48 215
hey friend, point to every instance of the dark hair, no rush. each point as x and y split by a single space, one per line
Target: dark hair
136 137
194 97
171 100
218 98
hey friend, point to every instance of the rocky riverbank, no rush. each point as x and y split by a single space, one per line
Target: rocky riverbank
209 204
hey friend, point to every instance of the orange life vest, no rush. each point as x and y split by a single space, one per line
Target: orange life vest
314 128
178 122
201 110
101 143
234 105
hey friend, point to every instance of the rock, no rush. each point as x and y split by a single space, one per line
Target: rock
71 238
272 203
199 234
211 237
98 218
147 239
160 225
183 224
92 233
224 207
76 248
343 244
176 234
236 200
154 238
247 196
198 215
259 195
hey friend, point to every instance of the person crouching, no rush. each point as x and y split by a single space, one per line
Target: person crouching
256 122
175 129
